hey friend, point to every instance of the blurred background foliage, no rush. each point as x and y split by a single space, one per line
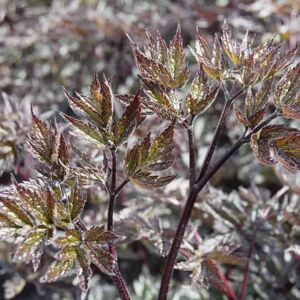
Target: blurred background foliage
48 45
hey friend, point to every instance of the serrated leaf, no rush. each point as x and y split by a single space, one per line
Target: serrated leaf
152 69
96 109
157 92
76 202
49 148
127 99
176 59
103 95
11 212
287 88
62 266
255 106
41 139
162 64
254 64
99 234
211 61
132 160
161 146
87 130
201 95
38 201
101 258
128 121
231 47
263 142
82 107
148 181
287 149
146 157
63 154
83 269
71 237
31 247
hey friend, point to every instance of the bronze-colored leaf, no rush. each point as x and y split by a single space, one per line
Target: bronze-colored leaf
162 146
227 258
76 202
83 269
201 95
14 214
101 258
61 266
71 237
31 247
287 88
49 148
148 181
99 235
128 121
212 62
87 131
176 59
147 157
38 201
274 137
287 150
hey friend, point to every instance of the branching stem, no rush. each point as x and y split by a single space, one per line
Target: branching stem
187 212
120 187
218 132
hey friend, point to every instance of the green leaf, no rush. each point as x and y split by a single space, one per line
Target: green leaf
151 69
254 64
255 106
102 94
84 108
162 64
